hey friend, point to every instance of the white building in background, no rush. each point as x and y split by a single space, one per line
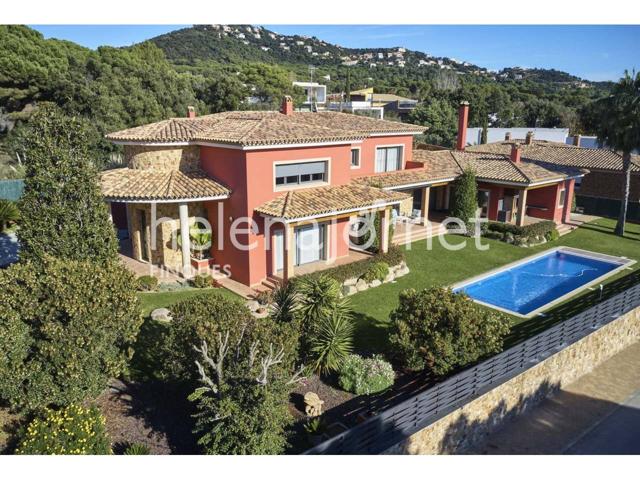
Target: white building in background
474 135
314 92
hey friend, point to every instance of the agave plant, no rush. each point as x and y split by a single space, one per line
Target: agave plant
9 214
331 338
286 302
318 297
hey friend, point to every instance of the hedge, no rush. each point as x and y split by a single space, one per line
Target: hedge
357 269
535 229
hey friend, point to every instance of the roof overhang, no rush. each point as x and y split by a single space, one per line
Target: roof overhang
234 146
372 207
426 183
167 200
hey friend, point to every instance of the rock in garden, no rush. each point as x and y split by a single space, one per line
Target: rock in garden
361 286
349 290
389 278
161 315
312 404
350 282
253 305
375 283
402 272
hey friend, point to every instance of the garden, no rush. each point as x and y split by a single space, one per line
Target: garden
87 370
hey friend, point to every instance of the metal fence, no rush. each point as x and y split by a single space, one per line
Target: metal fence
11 189
394 424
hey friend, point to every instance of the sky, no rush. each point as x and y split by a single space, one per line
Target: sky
594 52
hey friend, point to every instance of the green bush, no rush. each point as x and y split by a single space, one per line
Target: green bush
202 281
494 235
62 210
66 328
137 449
377 271
441 330
9 214
553 235
330 338
393 257
147 283
365 376
464 203
535 229
74 430
210 316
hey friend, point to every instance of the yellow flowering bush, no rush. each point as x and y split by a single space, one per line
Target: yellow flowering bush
73 430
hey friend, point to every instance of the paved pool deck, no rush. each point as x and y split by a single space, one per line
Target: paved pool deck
597 414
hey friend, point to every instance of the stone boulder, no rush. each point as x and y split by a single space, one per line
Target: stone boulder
349 290
350 282
389 278
361 285
312 404
253 305
161 315
375 283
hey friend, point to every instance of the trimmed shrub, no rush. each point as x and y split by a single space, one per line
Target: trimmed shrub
74 430
465 199
441 330
61 189
553 235
147 283
494 235
9 214
365 376
393 257
377 271
66 328
210 317
202 281
331 339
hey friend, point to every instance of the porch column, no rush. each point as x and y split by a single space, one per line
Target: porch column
109 211
184 236
522 207
425 205
384 230
289 246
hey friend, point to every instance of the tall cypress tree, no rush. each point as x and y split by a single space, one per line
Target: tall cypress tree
63 213
465 198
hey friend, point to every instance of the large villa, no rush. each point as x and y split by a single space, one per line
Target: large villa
303 179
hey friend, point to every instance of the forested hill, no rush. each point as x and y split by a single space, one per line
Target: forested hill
216 68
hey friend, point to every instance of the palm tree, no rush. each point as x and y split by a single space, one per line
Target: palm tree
618 127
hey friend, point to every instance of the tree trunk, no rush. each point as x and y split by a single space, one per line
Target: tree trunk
626 167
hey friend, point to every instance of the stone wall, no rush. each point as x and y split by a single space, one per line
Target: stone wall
164 252
468 425
406 207
162 158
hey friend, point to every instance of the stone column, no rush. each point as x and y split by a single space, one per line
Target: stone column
289 252
184 236
425 205
384 230
522 207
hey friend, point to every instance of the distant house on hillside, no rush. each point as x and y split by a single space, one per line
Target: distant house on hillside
366 101
316 94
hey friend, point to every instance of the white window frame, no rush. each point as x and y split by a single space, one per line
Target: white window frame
285 187
359 149
561 200
401 163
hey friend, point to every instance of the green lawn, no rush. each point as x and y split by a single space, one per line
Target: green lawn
439 266
149 301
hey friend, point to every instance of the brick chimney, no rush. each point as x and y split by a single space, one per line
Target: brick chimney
287 105
516 151
577 139
529 139
507 136
191 112
463 119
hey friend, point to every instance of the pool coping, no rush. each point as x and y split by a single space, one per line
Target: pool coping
623 262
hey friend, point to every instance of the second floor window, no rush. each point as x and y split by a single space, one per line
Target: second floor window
388 159
300 173
355 158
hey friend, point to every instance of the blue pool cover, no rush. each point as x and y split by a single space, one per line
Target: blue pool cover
531 285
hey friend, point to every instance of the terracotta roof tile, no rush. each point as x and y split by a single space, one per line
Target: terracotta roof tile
561 154
134 184
263 128
315 201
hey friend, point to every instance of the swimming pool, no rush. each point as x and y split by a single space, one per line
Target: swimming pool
526 287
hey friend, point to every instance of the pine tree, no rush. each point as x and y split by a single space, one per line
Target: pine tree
63 213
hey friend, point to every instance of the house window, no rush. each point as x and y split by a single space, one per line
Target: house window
388 159
300 173
561 200
355 158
